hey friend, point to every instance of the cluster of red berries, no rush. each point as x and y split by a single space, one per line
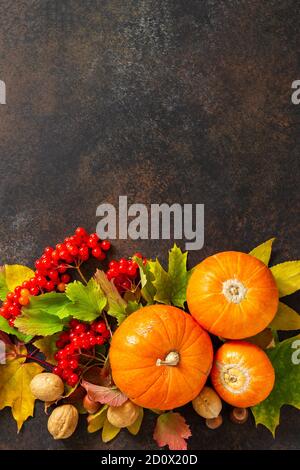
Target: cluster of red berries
124 272
51 269
70 344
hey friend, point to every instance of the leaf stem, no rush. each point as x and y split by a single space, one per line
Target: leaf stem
106 323
35 359
81 274
91 357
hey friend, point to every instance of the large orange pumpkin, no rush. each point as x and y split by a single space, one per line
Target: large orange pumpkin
242 374
233 295
160 357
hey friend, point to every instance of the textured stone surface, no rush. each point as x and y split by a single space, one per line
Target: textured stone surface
165 101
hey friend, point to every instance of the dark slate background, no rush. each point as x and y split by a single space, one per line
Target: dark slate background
165 101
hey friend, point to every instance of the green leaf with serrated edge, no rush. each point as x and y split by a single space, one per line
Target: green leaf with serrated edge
109 431
161 282
96 421
136 426
52 303
287 277
132 306
263 251
39 324
178 275
116 305
4 326
3 286
286 319
147 288
285 358
87 302
48 347
171 286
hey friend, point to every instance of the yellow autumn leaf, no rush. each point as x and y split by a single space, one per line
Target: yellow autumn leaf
109 431
286 319
135 427
96 421
263 251
15 378
15 275
287 277
48 347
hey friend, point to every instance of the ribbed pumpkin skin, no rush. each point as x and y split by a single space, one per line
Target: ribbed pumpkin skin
150 334
212 310
254 363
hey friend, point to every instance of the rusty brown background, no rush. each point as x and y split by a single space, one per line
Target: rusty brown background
165 101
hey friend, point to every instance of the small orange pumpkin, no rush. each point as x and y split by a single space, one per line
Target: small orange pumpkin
242 374
233 295
160 357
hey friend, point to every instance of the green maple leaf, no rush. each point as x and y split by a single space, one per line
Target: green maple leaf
178 275
87 302
285 358
147 288
161 282
171 285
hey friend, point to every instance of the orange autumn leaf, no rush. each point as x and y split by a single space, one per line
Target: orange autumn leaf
171 430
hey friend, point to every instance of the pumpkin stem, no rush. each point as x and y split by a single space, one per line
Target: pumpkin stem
171 359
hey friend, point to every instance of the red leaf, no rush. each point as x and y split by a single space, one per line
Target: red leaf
171 430
104 395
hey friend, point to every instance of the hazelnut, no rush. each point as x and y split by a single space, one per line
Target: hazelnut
239 415
207 404
214 423
63 421
47 387
124 415
90 406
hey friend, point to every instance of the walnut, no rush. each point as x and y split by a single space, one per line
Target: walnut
47 387
63 421
124 415
207 404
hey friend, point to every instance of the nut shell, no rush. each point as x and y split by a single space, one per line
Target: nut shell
90 406
214 423
207 404
124 415
47 387
63 421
